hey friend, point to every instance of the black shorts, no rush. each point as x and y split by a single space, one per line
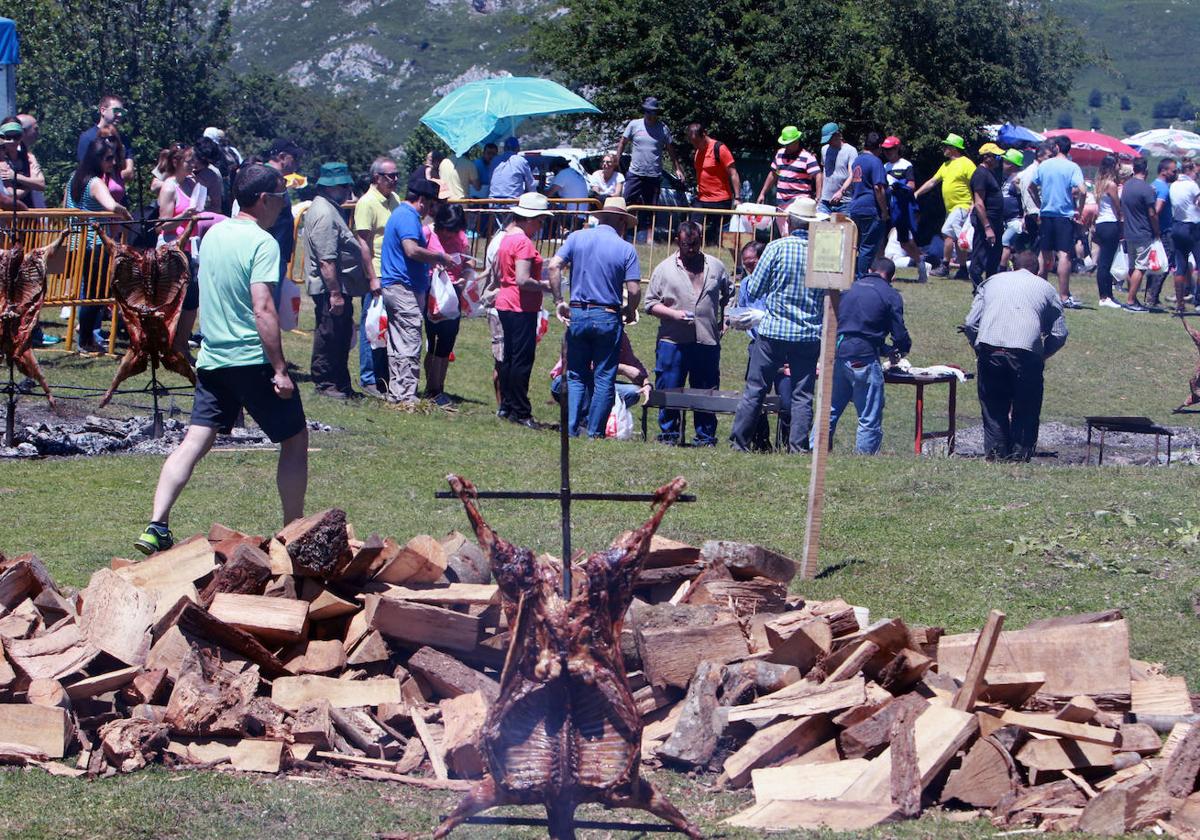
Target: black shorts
191 297
222 392
641 189
441 335
1057 234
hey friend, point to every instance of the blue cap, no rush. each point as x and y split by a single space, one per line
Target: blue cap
512 144
828 130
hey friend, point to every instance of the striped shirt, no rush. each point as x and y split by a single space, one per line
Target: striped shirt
1017 310
797 175
794 312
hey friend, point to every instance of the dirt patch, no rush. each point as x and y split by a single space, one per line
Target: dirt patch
1062 443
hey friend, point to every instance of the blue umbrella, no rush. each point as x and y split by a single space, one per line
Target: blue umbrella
1017 135
489 110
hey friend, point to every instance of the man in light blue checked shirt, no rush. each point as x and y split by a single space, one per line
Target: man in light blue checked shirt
790 333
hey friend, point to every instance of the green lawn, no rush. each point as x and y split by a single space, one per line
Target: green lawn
933 540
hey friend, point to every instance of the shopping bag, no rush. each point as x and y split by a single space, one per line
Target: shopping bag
543 324
620 421
375 323
1120 264
966 236
470 299
443 297
1158 257
289 306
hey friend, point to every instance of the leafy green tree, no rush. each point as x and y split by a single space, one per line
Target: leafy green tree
1126 104
917 68
1095 98
1065 120
420 142
1131 127
1095 124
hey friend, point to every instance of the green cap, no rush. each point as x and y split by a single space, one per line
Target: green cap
11 130
955 141
1015 157
334 175
790 134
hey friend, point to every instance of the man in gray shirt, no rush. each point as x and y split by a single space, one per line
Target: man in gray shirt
648 138
836 158
1015 323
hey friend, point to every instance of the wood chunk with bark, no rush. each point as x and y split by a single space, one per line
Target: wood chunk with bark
869 737
246 572
23 577
987 775
744 597
906 785
981 657
146 687
1028 804
746 561
672 641
318 545
196 704
421 560
198 622
798 639
903 671
364 732
1129 806
465 560
312 724
117 616
449 677
464 717
698 729
773 742
1183 768
52 655
130 744
421 624
48 693
1139 738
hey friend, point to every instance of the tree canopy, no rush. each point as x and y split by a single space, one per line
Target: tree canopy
917 68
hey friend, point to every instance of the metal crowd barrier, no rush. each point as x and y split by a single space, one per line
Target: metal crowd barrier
71 279
725 232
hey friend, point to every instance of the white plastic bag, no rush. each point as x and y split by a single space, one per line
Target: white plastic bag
376 323
966 236
620 421
543 325
289 306
443 297
1158 258
470 300
1120 264
744 317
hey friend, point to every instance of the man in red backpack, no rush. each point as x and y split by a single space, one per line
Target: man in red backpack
717 179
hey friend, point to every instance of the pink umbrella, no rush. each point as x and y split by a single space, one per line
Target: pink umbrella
1088 148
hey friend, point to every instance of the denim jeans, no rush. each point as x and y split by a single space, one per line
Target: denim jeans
687 365
593 347
367 366
864 386
627 392
768 356
871 231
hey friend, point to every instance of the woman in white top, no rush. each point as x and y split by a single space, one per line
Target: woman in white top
607 180
1185 228
1107 233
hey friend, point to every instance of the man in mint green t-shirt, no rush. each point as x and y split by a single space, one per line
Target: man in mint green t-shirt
241 364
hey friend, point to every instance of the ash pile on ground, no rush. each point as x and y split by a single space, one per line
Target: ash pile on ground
94 435
1061 443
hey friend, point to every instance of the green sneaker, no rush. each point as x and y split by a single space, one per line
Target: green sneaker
154 539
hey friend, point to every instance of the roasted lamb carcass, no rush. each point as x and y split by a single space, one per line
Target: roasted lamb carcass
565 729
22 289
1194 383
149 287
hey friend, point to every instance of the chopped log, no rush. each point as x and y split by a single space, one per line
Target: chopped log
802 699
19 625
694 738
1160 695
1011 688
102 683
969 692
196 621
1050 754
117 616
1128 806
765 677
465 561
185 563
421 624
906 784
324 603
940 733
355 631
1025 804
8 676
53 655
281 561
869 736
746 561
364 732
464 717
23 577
449 677
1081 709
667 576
1048 725
798 782
772 743
432 744
854 663
318 545
1139 738
414 755
446 595
672 641
312 724
1090 659
1174 738
54 607
196 704
365 557
904 671
1180 775
45 729
832 815
842 618
48 693
1186 818
255 756
19 755
246 572
131 744
798 639
421 560
371 650
293 692
987 775
1075 620
317 657
276 621
147 687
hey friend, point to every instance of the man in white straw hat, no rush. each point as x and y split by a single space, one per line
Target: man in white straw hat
790 332
601 262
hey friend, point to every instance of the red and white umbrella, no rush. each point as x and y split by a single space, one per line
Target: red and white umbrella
1088 148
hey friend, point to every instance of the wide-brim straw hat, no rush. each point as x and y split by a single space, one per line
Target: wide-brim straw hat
804 209
616 206
531 205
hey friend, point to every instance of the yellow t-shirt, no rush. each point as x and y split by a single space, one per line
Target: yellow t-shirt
451 183
372 212
956 182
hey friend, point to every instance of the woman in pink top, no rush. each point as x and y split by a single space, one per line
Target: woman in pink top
448 235
517 305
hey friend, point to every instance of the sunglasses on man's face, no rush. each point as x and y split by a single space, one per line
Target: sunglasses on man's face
391 176
280 195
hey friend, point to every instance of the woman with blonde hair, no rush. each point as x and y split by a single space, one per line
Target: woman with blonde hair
1107 231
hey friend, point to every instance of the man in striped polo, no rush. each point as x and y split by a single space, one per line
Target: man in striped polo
795 172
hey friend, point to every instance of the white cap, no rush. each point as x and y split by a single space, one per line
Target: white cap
215 134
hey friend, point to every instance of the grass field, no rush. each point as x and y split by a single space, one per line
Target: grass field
932 540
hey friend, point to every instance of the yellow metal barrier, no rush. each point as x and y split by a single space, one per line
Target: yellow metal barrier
655 238
72 280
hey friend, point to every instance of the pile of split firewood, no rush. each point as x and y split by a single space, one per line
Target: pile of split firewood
313 649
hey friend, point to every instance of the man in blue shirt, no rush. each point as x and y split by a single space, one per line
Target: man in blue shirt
404 260
790 333
1058 188
485 166
867 313
869 202
512 176
601 263
1168 173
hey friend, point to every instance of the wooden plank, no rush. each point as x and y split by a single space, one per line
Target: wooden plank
449 677
806 781
875 731
798 639
746 560
317 657
422 624
196 621
278 621
52 655
1161 695
293 692
256 756
940 732
772 743
1088 659
117 616
854 663
432 745
906 783
184 563
1081 709
1048 725
23 577
446 595
246 572
324 603
1051 754
464 717
968 692
42 728
1011 688
802 699
1183 768
102 683
816 481
813 815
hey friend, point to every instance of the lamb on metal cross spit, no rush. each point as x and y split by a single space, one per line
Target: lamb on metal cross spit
565 729
22 289
1194 384
149 287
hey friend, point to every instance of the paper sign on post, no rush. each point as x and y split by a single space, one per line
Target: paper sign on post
831 252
